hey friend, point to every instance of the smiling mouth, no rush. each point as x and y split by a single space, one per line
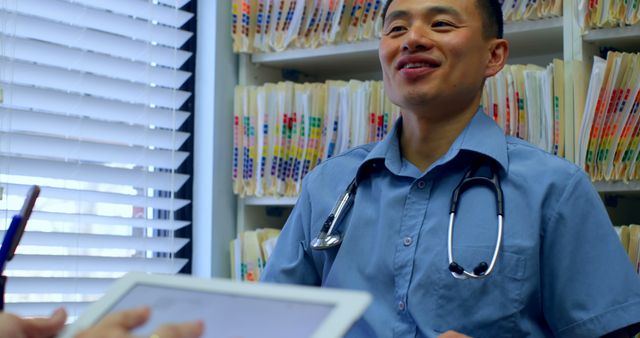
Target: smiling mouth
415 65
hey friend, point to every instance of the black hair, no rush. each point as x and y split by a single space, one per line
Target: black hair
491 11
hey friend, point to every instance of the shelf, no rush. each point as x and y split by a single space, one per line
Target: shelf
622 38
270 201
526 38
618 186
357 57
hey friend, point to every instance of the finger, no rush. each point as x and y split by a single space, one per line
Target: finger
127 319
183 330
45 327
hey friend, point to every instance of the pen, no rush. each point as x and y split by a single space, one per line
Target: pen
11 239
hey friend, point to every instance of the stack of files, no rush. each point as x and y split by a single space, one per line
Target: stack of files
608 13
518 10
609 139
527 102
630 238
283 130
276 25
249 253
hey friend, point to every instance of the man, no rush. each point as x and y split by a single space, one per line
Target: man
118 324
560 271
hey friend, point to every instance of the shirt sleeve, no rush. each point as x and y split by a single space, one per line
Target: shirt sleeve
291 261
589 287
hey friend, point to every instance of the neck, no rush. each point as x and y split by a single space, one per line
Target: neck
427 136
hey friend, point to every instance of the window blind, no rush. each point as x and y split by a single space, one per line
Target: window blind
92 97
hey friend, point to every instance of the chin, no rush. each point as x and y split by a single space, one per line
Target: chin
415 99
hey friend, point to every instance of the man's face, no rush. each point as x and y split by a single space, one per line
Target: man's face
433 52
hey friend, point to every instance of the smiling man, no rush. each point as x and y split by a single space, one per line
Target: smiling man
559 271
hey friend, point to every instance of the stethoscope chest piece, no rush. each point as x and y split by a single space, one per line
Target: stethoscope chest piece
329 236
325 241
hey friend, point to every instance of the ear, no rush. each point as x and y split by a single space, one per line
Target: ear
499 52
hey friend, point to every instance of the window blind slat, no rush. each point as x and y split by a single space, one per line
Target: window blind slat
89 196
78 150
90 241
85 61
95 264
174 3
16 96
58 285
142 9
88 129
98 42
88 84
86 17
91 173
142 223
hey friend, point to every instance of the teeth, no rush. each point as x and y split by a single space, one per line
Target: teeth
414 65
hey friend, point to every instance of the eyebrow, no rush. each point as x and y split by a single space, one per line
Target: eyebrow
430 10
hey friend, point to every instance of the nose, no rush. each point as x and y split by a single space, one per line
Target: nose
417 39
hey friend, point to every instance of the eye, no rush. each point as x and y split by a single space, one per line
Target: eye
395 29
442 24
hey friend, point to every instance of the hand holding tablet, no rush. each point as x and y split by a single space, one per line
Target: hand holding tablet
229 309
186 307
120 324
117 324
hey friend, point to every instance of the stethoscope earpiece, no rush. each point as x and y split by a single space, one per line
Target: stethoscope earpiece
481 268
456 268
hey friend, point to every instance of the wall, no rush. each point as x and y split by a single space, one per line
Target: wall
214 203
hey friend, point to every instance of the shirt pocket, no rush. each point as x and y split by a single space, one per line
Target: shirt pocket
486 307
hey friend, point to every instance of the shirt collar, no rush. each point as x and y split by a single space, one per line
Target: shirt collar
482 135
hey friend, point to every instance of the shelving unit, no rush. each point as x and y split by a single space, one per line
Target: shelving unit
537 42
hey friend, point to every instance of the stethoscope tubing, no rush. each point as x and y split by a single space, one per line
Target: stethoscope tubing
329 237
465 274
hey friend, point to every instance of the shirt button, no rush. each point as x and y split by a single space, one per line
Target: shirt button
401 306
407 241
421 184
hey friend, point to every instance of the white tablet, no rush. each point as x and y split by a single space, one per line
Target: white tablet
230 309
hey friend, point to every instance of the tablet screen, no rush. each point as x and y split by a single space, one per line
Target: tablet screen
225 315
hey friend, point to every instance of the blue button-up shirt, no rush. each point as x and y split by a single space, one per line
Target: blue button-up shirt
561 270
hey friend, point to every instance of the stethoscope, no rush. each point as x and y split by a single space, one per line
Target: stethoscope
329 236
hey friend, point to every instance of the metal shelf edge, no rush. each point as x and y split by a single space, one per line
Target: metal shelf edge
270 201
601 34
617 186
324 51
532 25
